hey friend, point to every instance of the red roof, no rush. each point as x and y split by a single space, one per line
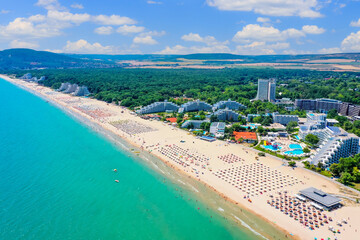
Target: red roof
245 135
172 120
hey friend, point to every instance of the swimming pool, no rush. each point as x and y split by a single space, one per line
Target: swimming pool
272 148
294 152
295 146
297 137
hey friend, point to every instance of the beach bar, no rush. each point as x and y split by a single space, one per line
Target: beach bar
321 199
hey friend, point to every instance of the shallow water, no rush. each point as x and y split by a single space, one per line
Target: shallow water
57 183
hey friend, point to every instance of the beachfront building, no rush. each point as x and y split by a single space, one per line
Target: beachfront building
322 104
64 86
195 124
217 129
195 106
29 78
284 119
159 107
71 88
348 109
232 105
338 144
320 199
266 90
227 115
81 91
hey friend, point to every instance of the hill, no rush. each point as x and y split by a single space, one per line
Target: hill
30 59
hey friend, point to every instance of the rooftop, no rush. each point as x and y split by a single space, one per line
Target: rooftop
245 135
320 197
172 120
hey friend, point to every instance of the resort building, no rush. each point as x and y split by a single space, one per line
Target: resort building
322 104
159 107
195 106
320 199
217 129
64 86
315 124
338 144
71 88
232 105
249 137
351 110
227 115
29 78
284 119
81 91
266 90
195 124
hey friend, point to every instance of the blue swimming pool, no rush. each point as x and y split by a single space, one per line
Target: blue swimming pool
297 137
295 152
272 148
295 146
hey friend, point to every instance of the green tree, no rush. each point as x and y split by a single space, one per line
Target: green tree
335 169
292 163
332 114
291 126
356 174
311 138
306 150
346 178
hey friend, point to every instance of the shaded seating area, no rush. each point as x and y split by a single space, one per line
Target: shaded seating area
321 199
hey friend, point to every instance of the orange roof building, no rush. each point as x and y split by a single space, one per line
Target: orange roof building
245 135
172 120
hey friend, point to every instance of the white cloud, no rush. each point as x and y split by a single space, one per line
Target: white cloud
263 20
3 11
351 43
194 37
152 33
77 6
113 20
312 29
24 27
22 44
355 23
178 49
261 48
69 17
208 40
255 32
148 40
50 5
129 29
153 2
83 46
302 8
104 30
330 50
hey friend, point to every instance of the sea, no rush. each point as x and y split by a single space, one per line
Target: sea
57 182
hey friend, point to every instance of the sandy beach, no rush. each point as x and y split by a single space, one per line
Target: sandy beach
234 171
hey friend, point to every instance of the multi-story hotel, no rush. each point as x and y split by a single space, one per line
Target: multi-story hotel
266 90
159 107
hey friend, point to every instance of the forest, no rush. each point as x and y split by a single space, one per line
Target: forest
140 87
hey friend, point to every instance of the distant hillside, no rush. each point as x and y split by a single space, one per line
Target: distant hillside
31 59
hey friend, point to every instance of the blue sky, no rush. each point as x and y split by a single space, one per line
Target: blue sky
182 26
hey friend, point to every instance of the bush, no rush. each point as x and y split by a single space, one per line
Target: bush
261 154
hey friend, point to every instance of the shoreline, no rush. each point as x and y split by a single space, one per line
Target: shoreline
104 128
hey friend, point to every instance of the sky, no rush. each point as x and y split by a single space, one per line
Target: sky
247 27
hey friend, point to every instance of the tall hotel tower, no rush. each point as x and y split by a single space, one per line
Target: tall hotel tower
266 90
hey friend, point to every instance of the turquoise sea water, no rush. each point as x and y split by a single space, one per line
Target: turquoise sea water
56 182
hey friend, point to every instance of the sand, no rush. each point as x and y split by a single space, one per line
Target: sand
206 162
